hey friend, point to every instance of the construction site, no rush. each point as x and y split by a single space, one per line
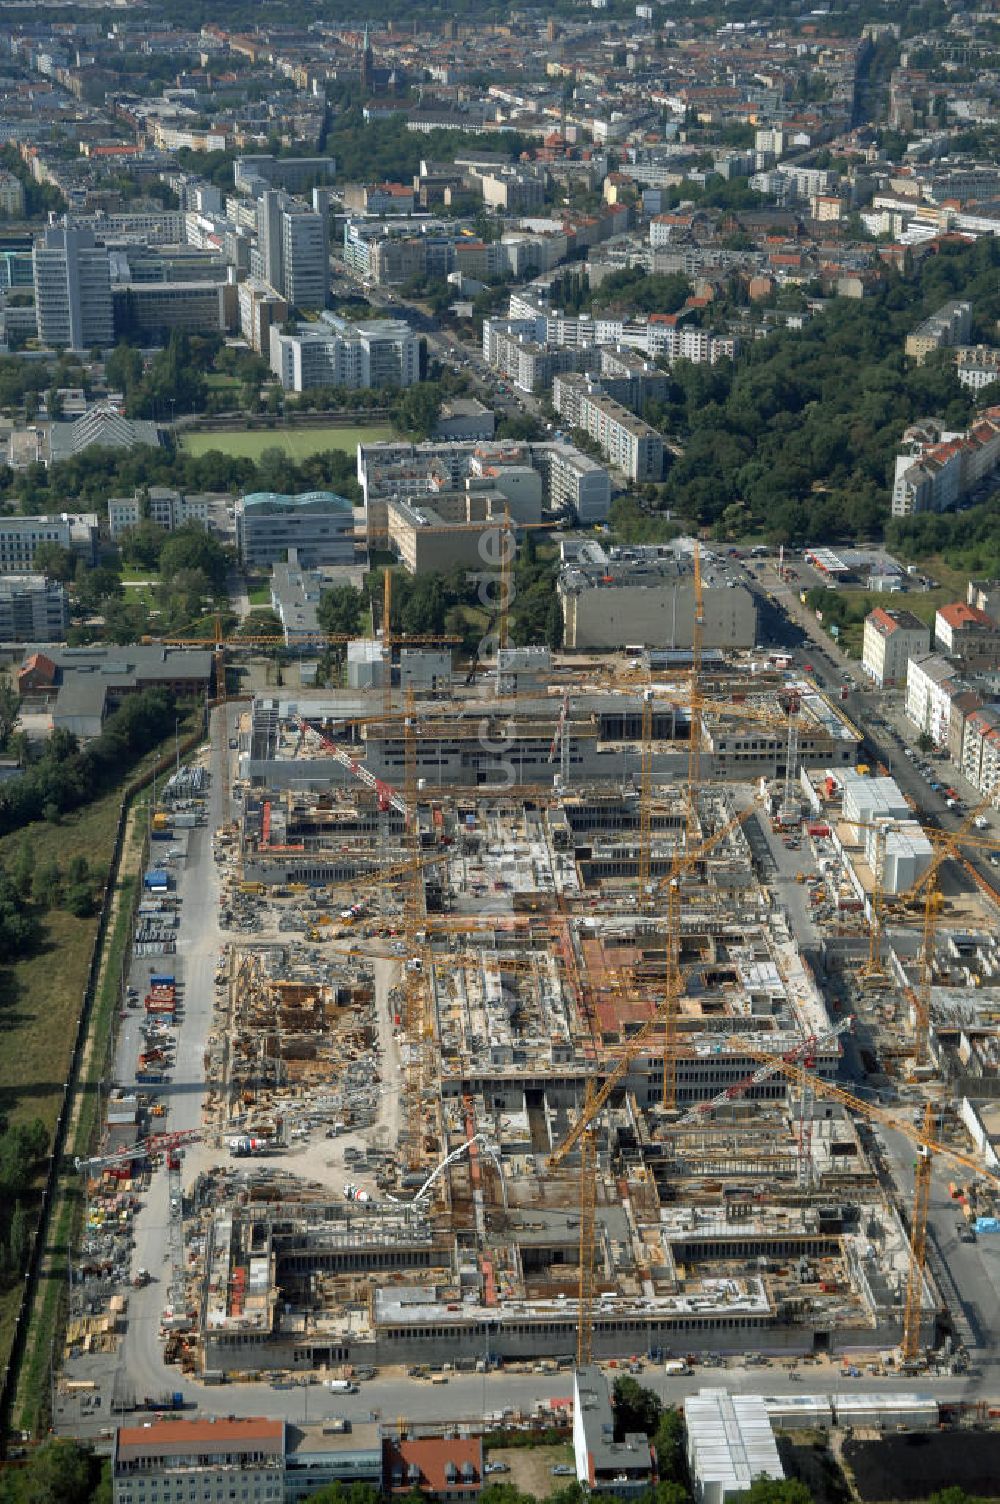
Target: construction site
593 1060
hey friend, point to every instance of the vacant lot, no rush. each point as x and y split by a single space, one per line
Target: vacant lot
297 443
919 1464
531 1468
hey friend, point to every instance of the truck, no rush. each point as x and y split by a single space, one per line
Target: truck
162 979
150 1078
245 1145
340 1386
169 1401
162 1005
981 822
676 1368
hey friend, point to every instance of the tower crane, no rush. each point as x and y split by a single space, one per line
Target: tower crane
927 1147
640 1040
646 801
694 745
804 1052
143 1148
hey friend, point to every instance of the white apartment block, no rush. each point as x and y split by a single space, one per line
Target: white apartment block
977 366
629 443
933 476
378 353
891 639
930 682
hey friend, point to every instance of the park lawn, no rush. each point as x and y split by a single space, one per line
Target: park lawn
221 382
260 595
297 443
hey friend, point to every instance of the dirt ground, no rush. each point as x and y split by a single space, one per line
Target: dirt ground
531 1468
920 1463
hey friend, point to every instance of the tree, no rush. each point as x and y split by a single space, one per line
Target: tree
925 743
141 545
23 869
79 900
346 1493
60 1472
47 885
775 1491
55 561
341 610
193 547
21 1147
671 1450
17 1245
636 1408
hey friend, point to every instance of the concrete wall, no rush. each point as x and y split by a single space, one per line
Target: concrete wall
658 616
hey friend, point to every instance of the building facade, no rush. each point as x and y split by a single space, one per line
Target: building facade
377 353
318 525
32 609
891 639
72 277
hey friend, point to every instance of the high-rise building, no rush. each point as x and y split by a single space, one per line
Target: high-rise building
269 207
305 256
293 250
73 289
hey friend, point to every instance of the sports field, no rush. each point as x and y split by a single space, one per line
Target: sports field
297 443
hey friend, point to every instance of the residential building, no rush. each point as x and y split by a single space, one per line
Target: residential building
966 632
629 443
72 277
318 525
950 325
930 687
985 596
11 195
730 1444
891 639
981 751
261 310
32 609
977 366
619 596
20 537
444 1470
199 1460
622 1468
575 481
334 352
465 418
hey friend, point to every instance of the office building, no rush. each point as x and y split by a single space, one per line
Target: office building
334 352
318 525
255 175
156 308
81 687
32 609
21 536
199 1461
891 639
11 195
73 301
293 250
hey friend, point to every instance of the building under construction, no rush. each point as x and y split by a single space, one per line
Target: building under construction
549 996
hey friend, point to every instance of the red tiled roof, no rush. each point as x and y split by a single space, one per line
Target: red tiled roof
958 614
431 1456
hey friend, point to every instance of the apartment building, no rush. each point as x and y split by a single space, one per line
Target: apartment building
575 481
930 688
11 195
629 444
966 632
32 609
891 639
261 309
256 174
934 470
318 525
981 751
333 352
977 366
622 1468
72 278
950 325
20 537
